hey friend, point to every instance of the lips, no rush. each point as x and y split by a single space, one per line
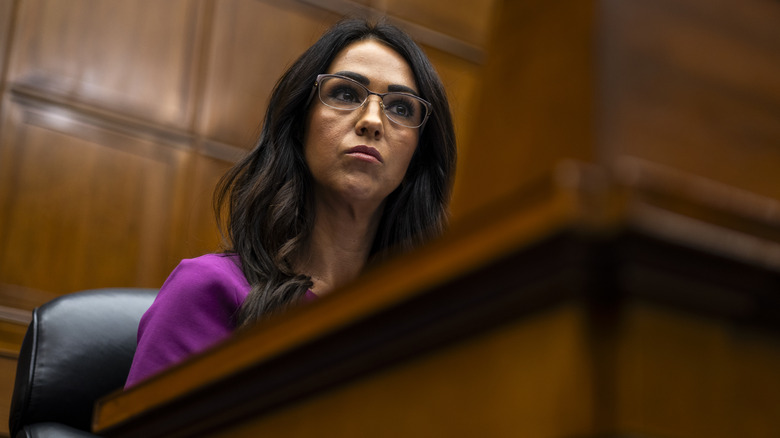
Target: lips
366 150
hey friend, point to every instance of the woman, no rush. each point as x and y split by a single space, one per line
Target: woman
355 160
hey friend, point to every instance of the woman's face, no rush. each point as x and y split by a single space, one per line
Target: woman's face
359 156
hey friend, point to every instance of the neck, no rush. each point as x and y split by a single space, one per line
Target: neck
339 246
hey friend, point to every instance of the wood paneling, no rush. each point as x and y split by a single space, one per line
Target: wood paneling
686 376
462 80
195 231
694 85
11 335
134 57
535 102
446 35
85 207
7 373
253 43
530 379
6 31
467 20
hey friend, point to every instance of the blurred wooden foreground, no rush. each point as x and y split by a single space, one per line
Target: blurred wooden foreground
563 315
613 264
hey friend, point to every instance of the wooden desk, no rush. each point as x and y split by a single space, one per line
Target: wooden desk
588 306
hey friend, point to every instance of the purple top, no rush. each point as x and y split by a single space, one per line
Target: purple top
195 309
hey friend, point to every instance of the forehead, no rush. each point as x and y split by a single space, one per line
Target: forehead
382 65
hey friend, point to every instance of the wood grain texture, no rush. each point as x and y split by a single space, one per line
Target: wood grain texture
467 20
253 43
7 376
691 84
694 85
535 102
195 232
530 378
81 214
133 57
680 375
462 81
442 30
7 10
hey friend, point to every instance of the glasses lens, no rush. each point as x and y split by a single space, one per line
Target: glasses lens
341 93
404 109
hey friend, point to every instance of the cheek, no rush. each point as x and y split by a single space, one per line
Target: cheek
407 149
319 138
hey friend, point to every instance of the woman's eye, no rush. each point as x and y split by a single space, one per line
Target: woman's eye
345 94
401 108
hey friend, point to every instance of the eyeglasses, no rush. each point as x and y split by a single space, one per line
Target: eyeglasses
343 93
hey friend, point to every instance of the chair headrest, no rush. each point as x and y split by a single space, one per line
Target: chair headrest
78 348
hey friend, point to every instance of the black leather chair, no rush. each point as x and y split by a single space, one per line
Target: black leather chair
78 348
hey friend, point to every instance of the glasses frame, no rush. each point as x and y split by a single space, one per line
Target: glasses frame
316 89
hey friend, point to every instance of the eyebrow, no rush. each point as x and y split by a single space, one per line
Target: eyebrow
365 81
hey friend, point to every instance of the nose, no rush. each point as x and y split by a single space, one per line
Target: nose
370 120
